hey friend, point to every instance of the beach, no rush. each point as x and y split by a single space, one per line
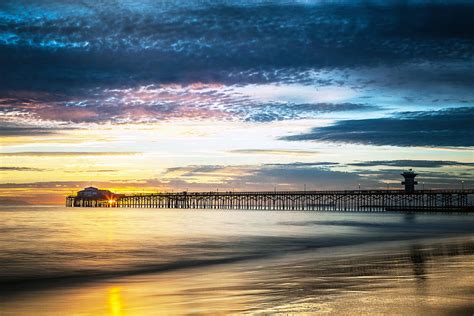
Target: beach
59 261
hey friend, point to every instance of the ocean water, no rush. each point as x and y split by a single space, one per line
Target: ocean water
86 261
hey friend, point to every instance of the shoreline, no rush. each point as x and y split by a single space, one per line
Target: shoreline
336 275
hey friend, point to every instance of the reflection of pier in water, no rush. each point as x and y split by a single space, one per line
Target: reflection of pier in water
356 200
418 263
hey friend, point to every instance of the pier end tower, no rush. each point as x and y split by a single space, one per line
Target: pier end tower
409 181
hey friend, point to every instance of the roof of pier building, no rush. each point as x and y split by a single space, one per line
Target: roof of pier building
95 193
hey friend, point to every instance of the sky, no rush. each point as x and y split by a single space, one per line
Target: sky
147 96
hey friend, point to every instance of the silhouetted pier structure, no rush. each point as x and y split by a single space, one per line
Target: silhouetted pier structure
355 200
409 182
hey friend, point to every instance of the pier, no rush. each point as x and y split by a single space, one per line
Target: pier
407 200
355 200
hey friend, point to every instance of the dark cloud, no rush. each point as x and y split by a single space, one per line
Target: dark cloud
450 127
12 129
88 61
6 131
63 46
413 163
122 62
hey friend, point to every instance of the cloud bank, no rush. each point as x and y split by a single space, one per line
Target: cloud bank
123 61
450 127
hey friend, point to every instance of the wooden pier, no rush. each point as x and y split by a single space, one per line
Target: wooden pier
356 200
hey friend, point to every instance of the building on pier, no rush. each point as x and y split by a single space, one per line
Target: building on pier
409 181
91 196
95 193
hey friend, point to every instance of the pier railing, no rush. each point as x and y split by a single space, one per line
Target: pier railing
348 200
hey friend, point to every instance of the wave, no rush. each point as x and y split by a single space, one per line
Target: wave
39 282
265 247
446 227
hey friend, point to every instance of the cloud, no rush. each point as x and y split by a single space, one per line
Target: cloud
12 201
324 175
413 163
10 131
90 62
67 153
449 127
269 112
20 169
284 152
93 44
154 103
69 64
306 164
315 175
66 186
292 176
15 124
93 171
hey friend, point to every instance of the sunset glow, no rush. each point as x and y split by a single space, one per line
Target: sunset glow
297 98
227 157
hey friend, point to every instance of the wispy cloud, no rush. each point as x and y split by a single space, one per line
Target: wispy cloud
413 163
123 49
6 131
266 176
155 103
67 153
21 169
92 171
284 152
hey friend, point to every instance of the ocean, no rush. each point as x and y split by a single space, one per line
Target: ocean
111 261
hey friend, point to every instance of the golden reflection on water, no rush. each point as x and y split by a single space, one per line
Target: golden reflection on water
410 279
115 301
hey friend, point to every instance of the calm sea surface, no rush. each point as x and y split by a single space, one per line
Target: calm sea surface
66 261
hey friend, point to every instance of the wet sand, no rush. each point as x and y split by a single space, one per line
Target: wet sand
59 261
422 277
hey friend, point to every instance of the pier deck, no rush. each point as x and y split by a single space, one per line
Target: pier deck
355 200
